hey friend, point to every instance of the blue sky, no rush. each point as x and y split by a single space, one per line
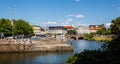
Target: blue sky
61 12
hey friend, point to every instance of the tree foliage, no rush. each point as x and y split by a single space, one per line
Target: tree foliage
19 27
22 27
5 26
89 36
72 32
115 27
103 31
88 57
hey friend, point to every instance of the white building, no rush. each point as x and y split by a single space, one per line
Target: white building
88 29
57 30
84 29
37 29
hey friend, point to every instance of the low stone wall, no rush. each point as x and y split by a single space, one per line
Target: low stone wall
14 47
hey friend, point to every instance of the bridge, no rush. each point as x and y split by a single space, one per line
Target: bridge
76 37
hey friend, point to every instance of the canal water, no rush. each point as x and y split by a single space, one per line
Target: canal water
48 58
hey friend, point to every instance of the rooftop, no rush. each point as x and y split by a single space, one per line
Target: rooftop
68 27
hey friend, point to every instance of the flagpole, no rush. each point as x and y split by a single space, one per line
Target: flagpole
12 13
12 30
12 23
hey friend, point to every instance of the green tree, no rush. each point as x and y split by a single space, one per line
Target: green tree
22 27
108 32
89 36
19 27
101 31
115 27
114 45
88 57
5 27
72 32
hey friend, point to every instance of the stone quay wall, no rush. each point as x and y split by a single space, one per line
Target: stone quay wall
35 46
29 48
53 48
14 47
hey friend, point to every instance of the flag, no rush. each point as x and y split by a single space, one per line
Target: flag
47 27
12 22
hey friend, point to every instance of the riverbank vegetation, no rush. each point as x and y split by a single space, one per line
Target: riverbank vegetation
97 37
108 54
102 35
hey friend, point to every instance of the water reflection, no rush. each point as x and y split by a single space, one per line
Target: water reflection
81 45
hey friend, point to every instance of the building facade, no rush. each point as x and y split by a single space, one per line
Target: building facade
57 30
88 29
82 29
95 27
37 29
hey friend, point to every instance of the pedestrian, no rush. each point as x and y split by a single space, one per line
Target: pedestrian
31 44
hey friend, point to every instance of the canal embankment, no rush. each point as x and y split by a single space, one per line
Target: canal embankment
34 46
99 38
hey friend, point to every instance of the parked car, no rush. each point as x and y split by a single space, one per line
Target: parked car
10 37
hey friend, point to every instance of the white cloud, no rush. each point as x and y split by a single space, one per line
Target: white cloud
108 24
51 22
79 16
75 15
64 24
73 25
77 0
69 20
